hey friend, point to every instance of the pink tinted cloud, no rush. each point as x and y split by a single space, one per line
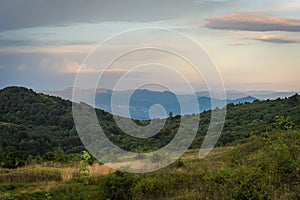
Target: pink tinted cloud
279 40
253 22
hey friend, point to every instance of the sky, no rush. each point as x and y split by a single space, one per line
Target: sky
255 45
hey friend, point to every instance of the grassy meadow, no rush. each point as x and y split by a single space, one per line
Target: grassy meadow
266 167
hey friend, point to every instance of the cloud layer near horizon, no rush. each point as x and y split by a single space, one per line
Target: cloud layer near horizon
253 22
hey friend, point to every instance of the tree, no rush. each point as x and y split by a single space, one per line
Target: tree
285 123
12 159
59 155
86 160
293 100
170 115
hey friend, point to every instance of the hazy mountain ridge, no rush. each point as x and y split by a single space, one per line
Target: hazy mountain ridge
141 101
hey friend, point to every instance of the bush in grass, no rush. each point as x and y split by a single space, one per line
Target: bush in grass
117 186
11 159
151 188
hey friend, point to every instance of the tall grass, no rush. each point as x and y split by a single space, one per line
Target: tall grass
30 175
99 169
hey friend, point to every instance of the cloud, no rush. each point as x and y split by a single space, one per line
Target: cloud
253 22
74 67
290 7
278 40
30 42
16 14
68 66
65 66
12 43
65 49
238 44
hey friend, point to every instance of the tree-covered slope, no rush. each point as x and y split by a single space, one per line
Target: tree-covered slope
33 124
23 106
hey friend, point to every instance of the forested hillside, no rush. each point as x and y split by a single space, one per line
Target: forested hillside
257 158
37 125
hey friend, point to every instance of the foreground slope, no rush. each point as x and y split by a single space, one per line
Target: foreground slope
266 167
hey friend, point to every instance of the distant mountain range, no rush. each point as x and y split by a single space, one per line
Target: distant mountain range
262 95
140 101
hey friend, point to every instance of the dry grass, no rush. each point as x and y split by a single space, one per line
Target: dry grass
31 174
38 178
98 169
68 173
41 173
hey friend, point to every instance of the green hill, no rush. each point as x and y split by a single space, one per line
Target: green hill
36 125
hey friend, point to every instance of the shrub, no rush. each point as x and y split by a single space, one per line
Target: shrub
151 188
117 186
